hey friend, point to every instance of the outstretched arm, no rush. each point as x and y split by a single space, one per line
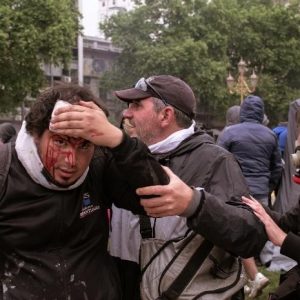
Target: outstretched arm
290 241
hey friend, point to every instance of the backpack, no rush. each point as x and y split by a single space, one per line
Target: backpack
187 268
5 160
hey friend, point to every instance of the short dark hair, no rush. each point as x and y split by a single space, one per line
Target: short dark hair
38 118
182 119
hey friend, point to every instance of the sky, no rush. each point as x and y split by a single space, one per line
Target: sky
90 21
90 12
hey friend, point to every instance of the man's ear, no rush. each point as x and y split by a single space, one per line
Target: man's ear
167 115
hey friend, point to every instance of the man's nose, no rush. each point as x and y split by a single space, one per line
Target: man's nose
127 113
70 156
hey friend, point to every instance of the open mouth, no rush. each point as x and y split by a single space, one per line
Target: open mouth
128 124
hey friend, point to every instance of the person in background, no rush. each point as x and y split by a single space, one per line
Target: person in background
161 109
281 133
266 120
68 165
124 252
232 117
255 146
7 132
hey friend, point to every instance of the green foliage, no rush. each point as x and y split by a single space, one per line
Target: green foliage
200 41
32 32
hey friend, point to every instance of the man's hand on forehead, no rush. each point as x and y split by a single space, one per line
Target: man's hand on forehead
85 120
65 107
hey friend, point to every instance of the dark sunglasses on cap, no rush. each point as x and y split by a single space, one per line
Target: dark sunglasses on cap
143 84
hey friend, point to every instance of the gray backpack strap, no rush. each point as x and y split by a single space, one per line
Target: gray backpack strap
190 269
5 160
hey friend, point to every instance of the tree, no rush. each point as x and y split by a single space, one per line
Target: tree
32 32
200 41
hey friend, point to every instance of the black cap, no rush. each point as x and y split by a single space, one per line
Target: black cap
171 90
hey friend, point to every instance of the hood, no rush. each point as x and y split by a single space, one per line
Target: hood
252 110
233 115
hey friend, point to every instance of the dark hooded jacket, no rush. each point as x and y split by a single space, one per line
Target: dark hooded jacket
53 244
255 146
220 217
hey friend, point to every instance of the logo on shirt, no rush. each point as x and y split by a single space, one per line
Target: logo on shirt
87 206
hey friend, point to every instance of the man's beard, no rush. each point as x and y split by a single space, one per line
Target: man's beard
147 132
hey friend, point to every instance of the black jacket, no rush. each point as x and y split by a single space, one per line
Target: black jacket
53 244
220 217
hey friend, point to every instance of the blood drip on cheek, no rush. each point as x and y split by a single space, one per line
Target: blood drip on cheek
52 155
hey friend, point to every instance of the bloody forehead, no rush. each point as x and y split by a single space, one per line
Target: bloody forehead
73 141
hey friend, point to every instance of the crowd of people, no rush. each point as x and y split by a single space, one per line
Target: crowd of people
166 183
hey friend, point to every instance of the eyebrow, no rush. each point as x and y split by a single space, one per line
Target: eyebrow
69 138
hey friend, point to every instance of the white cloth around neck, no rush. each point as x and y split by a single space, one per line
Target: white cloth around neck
173 140
28 155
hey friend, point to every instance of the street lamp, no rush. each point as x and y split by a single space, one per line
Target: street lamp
241 86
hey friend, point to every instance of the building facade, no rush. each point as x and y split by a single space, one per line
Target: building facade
98 53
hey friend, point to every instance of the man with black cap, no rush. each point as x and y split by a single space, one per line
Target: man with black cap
161 111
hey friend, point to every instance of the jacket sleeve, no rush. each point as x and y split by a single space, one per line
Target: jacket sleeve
291 247
130 166
222 218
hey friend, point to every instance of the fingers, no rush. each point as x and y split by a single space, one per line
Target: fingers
253 203
76 112
68 108
169 172
158 207
167 200
157 190
248 202
161 204
257 208
249 199
63 125
89 104
76 117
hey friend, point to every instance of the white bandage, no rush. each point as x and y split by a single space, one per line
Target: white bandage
58 104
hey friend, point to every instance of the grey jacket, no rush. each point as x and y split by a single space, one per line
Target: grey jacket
220 216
